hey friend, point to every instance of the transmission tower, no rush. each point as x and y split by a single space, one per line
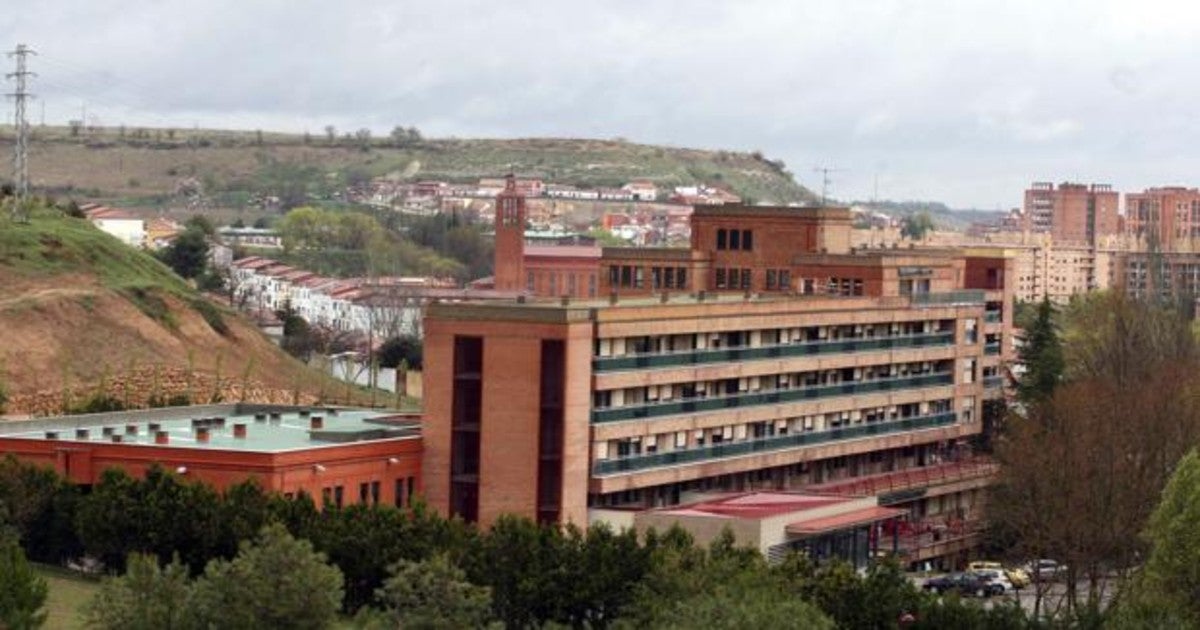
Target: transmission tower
21 125
824 171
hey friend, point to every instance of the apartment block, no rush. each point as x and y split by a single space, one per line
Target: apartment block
1072 213
1167 217
862 368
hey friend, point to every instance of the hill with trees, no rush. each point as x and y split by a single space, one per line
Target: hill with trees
238 169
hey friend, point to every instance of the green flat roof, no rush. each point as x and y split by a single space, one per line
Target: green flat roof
289 431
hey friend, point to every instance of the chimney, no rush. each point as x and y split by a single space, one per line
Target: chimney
275 417
202 434
316 422
260 417
81 434
304 413
162 437
521 299
239 430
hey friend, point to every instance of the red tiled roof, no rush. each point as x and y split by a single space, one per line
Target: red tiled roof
844 520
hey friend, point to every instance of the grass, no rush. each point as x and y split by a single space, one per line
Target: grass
68 593
232 164
52 244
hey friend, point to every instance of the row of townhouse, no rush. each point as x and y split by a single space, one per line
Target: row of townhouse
375 308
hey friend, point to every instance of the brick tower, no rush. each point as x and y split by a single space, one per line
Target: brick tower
510 238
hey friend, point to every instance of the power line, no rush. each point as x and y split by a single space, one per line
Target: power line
21 151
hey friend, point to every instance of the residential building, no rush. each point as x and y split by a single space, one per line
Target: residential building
123 225
250 237
1165 218
339 455
781 361
642 189
1072 213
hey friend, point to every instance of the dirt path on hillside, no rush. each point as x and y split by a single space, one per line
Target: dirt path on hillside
43 295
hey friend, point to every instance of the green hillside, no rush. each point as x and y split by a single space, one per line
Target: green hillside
144 167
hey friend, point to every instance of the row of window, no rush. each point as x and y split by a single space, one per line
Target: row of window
559 283
681 440
735 239
732 278
620 346
369 493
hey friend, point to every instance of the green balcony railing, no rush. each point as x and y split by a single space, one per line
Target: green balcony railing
725 355
968 296
772 397
993 382
765 445
992 348
992 317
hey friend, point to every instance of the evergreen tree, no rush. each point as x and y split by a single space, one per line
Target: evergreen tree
22 591
435 594
147 597
1042 357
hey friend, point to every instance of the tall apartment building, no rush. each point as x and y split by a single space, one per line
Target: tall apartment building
778 361
1170 215
1074 213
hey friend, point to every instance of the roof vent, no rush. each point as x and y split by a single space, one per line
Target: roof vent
317 422
107 431
131 429
52 435
81 434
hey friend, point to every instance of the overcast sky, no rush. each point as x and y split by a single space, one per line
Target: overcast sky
964 102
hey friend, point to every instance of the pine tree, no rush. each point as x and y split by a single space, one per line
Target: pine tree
1042 357
22 591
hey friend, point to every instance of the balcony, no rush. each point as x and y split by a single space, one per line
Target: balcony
750 399
778 351
949 298
770 444
993 382
992 317
992 347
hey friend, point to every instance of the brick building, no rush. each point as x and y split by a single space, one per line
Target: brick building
802 363
1170 215
336 454
1072 213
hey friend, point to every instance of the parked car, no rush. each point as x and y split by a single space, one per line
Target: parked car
1045 569
966 584
996 576
1016 575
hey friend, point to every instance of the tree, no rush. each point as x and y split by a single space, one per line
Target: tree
916 226
397 349
434 594
22 591
1164 594
146 597
275 582
330 134
188 254
1041 355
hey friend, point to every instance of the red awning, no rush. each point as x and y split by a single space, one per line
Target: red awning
842 521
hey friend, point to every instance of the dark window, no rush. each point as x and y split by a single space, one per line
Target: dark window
339 496
721 239
412 488
374 493
735 239
465 419
669 277
614 276
681 278
550 431
364 491
770 279
720 278
639 279
745 278
626 276
399 493
747 240
785 279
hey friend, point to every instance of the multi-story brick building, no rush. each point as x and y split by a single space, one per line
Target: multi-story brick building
1072 213
1168 215
778 360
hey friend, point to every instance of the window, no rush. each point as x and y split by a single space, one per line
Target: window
364 490
639 279
571 284
770 279
338 496
785 279
626 276
721 239
735 239
720 278
747 240
745 278
553 283
681 278
399 498
656 277
669 277
614 276
529 281
592 285
374 493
